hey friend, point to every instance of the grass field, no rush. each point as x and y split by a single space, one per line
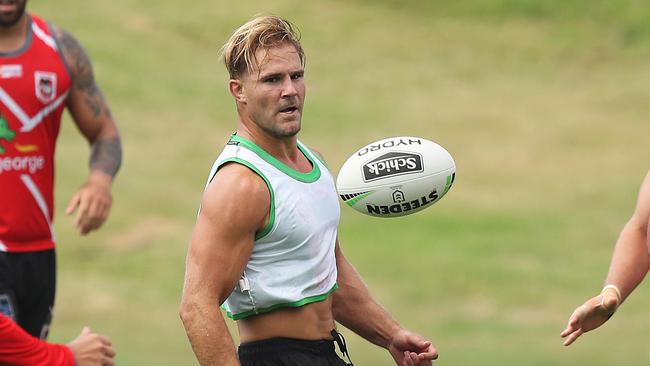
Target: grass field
543 105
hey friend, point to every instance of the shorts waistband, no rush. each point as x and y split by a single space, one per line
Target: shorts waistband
281 344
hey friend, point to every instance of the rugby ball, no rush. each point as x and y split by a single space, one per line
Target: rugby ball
396 176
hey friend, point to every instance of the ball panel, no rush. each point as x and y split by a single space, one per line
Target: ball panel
394 181
401 199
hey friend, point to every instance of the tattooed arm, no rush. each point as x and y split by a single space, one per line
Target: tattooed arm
92 116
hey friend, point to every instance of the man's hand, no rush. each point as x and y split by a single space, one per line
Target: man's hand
410 349
92 349
591 315
92 202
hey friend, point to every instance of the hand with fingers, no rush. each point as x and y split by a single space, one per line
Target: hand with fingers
92 203
410 349
91 349
592 314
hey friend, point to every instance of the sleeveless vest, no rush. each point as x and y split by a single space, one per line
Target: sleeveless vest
293 261
34 85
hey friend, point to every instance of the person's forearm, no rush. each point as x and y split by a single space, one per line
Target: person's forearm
106 155
19 348
354 307
630 259
208 334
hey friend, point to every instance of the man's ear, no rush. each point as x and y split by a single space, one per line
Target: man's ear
236 88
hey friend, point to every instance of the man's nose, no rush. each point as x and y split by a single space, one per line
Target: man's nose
289 88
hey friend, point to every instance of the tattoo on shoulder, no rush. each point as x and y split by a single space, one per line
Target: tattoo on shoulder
106 155
83 79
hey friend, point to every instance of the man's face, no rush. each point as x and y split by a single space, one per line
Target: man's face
274 93
11 11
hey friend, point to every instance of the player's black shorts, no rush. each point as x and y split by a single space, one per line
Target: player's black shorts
27 285
289 352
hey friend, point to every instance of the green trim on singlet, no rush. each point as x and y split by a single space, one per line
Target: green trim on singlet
295 304
59 49
267 228
309 177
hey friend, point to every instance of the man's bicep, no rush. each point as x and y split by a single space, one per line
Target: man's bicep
347 276
86 102
224 233
644 194
213 261
642 211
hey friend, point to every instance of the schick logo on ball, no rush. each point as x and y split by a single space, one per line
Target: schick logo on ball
391 164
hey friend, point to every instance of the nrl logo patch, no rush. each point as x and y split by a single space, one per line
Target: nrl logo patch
45 86
398 196
11 71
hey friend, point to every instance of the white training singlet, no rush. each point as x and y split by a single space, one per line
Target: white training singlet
293 261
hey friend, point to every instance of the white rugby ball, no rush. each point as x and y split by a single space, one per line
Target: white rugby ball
396 176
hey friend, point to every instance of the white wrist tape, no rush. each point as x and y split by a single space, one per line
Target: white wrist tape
616 289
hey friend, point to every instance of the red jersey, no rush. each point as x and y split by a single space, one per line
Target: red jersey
34 85
21 349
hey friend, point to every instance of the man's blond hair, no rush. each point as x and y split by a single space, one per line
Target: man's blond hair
262 31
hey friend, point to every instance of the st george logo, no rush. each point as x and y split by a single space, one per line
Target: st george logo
45 84
5 133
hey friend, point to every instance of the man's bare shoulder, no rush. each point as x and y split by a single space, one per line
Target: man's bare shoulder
72 50
237 193
240 177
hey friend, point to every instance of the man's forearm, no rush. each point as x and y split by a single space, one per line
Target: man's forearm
19 348
106 155
208 335
354 308
629 261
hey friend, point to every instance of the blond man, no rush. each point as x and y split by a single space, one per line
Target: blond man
265 244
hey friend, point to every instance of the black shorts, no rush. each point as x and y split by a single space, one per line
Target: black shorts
289 352
27 285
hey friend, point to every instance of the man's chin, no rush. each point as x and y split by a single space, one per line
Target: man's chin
286 132
8 22
294 128
290 127
290 133
13 14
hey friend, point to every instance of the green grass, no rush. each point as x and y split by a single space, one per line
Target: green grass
542 104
